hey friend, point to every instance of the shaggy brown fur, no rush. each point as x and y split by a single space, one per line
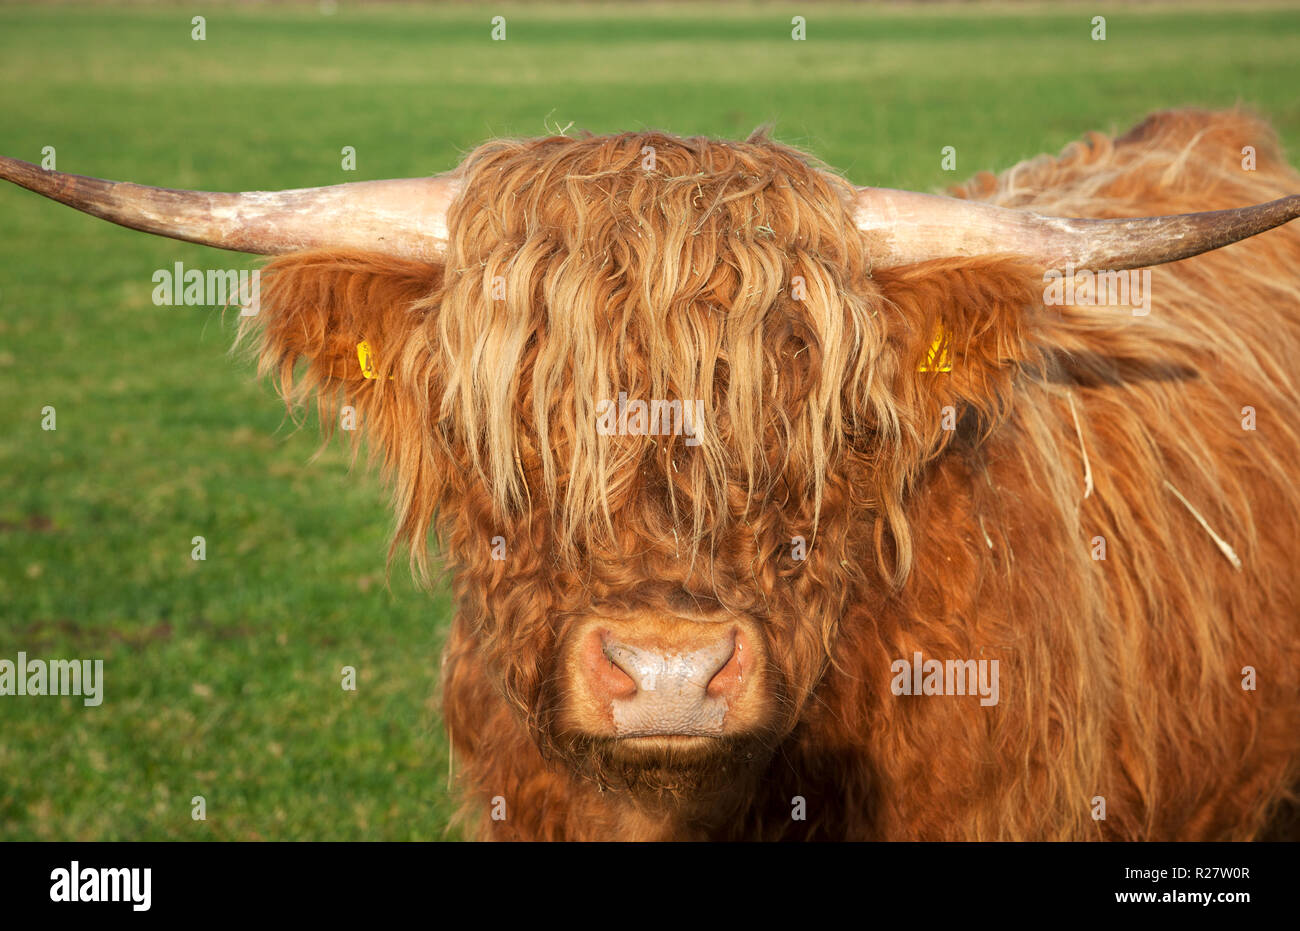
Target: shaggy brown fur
1120 678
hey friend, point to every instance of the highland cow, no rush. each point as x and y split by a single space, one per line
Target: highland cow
946 559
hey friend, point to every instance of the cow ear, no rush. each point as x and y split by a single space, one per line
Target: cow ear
336 312
347 331
959 330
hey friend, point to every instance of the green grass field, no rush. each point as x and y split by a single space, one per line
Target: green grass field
223 676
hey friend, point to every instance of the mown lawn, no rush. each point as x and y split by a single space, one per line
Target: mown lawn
223 676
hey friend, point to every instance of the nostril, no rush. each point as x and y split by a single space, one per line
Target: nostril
604 676
726 682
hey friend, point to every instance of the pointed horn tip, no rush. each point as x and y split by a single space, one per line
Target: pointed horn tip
15 169
47 182
1282 210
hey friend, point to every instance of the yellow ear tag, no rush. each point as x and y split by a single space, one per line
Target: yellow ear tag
364 357
937 359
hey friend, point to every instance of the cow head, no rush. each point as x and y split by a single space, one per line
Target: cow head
660 399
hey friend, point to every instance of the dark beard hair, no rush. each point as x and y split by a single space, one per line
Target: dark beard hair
666 772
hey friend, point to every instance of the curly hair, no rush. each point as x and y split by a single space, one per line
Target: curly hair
945 512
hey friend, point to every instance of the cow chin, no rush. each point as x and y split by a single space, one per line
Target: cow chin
668 771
